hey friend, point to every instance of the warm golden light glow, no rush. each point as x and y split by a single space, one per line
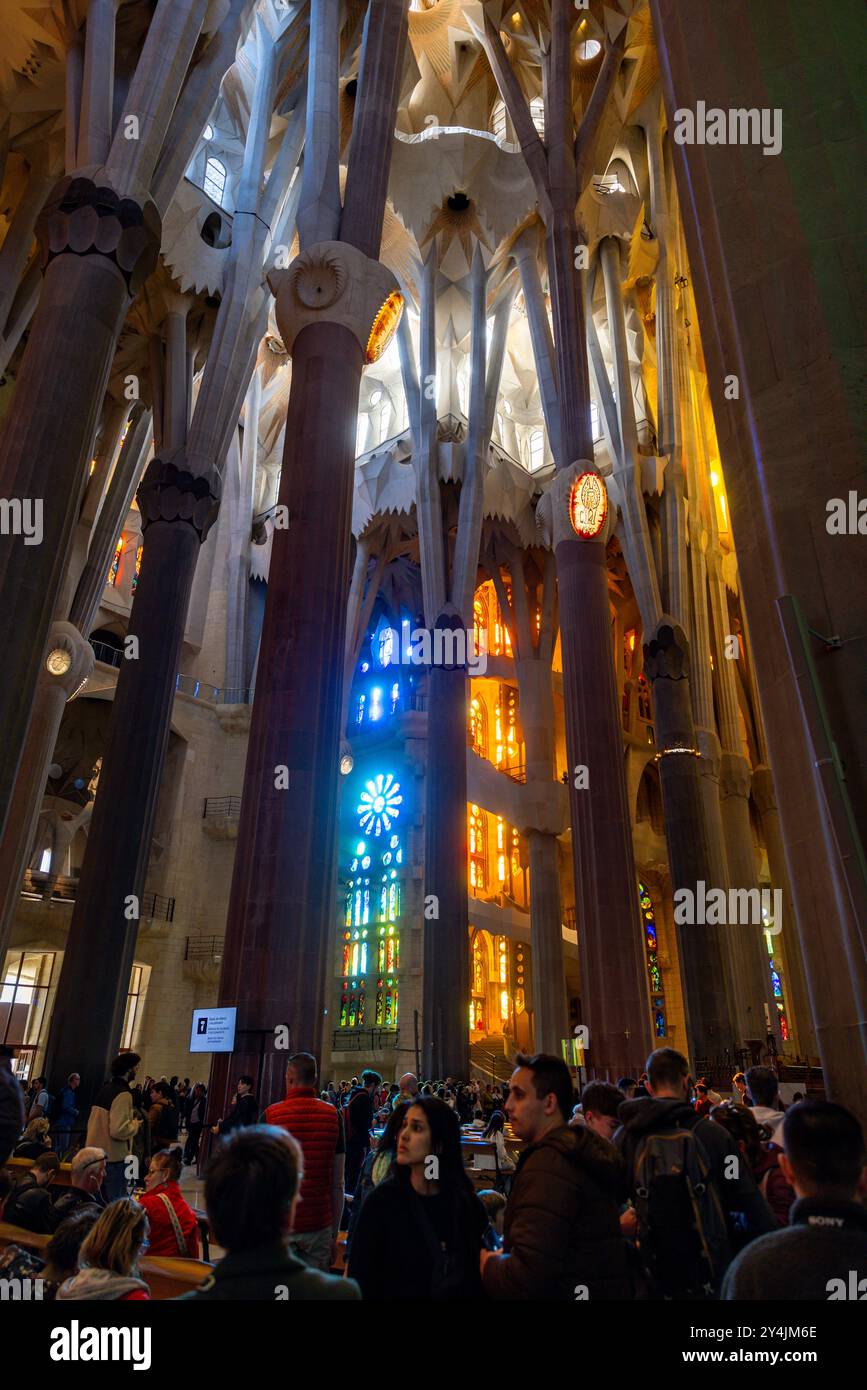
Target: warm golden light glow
58 662
714 479
588 505
384 327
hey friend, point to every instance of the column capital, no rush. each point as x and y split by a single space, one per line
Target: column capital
68 659
168 492
86 218
333 282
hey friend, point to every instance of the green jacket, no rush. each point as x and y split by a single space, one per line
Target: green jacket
270 1275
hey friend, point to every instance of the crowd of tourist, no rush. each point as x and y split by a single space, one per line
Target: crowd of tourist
653 1188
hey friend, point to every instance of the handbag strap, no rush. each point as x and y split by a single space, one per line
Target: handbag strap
183 1248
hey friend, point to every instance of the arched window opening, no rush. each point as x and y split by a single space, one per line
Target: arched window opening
215 179
537 450
478 842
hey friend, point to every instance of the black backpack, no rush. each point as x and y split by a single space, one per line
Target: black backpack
683 1238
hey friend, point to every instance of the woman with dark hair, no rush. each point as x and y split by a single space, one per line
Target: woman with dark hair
420 1231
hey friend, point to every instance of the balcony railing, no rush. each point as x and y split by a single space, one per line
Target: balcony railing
516 771
157 908
153 906
221 807
109 656
204 948
185 685
570 918
364 1039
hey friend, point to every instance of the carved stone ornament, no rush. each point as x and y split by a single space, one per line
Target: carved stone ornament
666 655
83 218
68 659
169 493
318 281
333 282
555 508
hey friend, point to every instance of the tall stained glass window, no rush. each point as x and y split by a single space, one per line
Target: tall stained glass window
372 908
478 850
651 953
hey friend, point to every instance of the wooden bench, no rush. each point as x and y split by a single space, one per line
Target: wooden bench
21 1167
165 1277
63 1178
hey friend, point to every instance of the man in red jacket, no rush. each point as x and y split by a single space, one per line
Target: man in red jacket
317 1127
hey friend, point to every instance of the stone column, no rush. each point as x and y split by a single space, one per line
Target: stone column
445 1039
281 911
723 58
48 708
550 1012
666 666
58 681
177 511
795 988
97 250
749 951
613 976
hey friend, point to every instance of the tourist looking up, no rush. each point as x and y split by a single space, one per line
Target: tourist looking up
251 1193
420 1231
109 1256
561 1233
318 1129
822 1254
111 1125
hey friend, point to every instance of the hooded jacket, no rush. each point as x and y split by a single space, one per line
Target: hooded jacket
738 1194
90 1285
562 1227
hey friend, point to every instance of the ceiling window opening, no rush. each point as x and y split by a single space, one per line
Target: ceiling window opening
537 450
215 179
